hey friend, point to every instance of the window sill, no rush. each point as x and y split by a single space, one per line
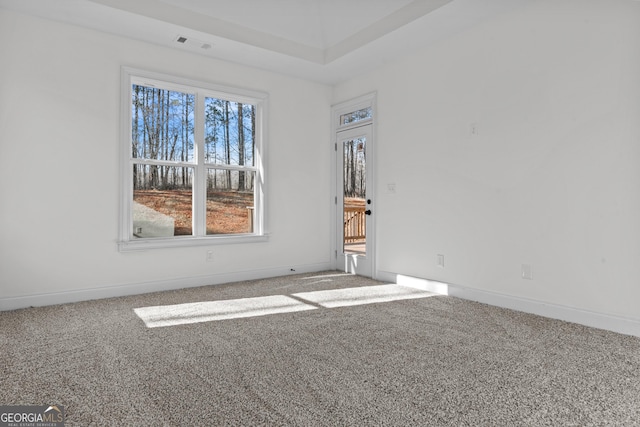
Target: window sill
186 242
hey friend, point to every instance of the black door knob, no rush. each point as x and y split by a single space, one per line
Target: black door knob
368 211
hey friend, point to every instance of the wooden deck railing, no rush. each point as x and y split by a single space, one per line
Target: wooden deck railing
354 224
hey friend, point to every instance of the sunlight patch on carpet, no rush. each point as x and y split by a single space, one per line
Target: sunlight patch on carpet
207 311
362 295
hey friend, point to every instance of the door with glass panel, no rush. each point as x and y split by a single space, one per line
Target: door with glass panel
355 207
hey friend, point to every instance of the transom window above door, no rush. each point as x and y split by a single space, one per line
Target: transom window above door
356 116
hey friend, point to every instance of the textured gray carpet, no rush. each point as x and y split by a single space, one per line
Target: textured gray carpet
426 361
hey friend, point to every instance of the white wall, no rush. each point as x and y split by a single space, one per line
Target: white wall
59 129
552 176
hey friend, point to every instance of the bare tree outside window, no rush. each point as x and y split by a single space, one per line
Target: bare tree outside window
163 149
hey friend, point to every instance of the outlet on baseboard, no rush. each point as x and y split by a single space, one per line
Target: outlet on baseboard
527 271
209 256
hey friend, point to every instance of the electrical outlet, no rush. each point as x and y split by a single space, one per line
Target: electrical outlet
527 272
440 260
209 256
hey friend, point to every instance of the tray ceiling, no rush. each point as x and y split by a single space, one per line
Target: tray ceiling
321 40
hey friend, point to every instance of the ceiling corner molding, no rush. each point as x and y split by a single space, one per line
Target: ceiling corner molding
397 19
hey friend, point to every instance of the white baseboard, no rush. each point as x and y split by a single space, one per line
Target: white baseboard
13 303
623 325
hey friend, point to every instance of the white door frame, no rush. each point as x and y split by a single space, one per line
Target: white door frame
338 110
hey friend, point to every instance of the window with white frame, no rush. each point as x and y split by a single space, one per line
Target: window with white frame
192 162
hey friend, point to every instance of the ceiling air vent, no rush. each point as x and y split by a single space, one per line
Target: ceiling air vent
193 44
